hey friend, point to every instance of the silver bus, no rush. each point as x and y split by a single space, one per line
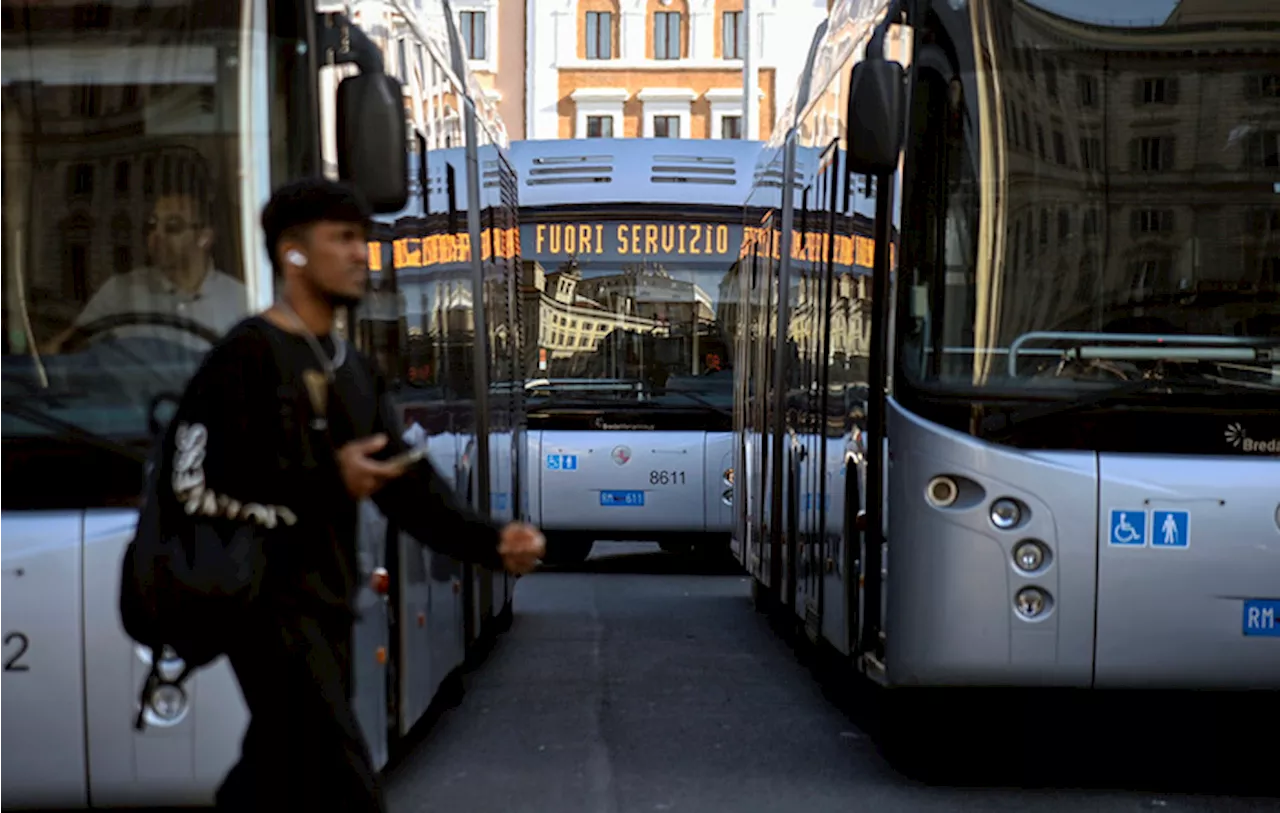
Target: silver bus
626 245
1008 418
139 144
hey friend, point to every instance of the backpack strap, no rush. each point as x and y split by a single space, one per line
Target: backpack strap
303 414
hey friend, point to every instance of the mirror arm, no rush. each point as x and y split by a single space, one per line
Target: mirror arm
900 11
347 44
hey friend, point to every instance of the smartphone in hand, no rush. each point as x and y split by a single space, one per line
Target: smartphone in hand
410 458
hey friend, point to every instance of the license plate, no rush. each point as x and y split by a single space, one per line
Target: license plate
1262 617
621 498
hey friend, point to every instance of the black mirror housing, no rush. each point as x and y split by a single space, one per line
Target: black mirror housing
877 96
372 143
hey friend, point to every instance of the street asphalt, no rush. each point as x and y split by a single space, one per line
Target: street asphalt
645 682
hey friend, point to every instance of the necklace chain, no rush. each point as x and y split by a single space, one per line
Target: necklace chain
339 346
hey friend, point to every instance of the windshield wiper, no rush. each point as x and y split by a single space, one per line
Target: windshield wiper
70 430
1005 421
1085 346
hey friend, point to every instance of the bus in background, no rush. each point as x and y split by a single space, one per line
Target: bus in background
626 245
1061 471
440 318
167 145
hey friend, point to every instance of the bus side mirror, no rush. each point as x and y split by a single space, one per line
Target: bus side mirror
876 101
372 144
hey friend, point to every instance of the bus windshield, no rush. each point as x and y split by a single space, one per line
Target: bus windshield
121 240
628 331
1094 201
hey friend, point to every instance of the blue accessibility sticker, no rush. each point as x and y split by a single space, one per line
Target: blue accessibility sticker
562 462
1170 529
1128 529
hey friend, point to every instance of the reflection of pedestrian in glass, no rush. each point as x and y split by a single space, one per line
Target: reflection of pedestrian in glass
1170 529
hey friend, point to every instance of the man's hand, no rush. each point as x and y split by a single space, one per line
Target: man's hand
521 547
361 474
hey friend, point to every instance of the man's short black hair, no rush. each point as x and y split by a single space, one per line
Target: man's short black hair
304 202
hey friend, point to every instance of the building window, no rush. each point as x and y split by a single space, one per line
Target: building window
1152 221
731 35
80 180
473 34
599 35
731 127
1059 148
666 126
1158 91
122 177
1152 153
1089 225
1050 79
599 126
1091 153
1262 149
1088 90
122 259
1262 86
666 35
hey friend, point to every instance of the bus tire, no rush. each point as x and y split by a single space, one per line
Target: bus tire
567 550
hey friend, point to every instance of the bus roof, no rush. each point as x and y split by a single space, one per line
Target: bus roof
634 170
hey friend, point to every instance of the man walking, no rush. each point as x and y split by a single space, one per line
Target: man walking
233 458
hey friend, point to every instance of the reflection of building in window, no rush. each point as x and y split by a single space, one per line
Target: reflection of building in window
567 314
1148 155
849 315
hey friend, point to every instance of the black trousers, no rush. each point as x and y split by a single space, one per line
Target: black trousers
303 749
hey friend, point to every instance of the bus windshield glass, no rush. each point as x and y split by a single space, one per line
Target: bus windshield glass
122 145
634 327
1093 200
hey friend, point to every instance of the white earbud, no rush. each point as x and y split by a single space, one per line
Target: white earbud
296 257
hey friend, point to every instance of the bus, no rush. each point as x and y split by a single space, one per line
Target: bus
1026 438
626 245
140 143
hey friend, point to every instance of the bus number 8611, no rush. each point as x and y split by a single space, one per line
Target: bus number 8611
666 478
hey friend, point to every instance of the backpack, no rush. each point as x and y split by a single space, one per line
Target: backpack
187 584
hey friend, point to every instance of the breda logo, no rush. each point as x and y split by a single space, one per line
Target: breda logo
621 454
1236 435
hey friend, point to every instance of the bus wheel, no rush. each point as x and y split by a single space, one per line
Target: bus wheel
925 734
452 691
677 548
567 550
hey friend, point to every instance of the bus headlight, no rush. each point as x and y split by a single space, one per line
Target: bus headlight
1028 556
942 491
1005 513
728 476
166 705
1031 602
727 496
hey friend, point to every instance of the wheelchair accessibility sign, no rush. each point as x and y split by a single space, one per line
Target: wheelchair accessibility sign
1167 529
1128 529
562 462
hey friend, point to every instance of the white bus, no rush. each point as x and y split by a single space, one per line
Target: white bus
139 144
1011 353
626 246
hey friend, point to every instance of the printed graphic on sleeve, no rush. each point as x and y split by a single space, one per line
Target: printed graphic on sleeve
190 444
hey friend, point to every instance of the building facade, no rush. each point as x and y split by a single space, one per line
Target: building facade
621 68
